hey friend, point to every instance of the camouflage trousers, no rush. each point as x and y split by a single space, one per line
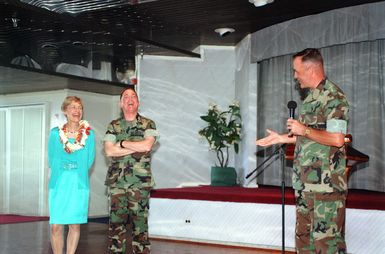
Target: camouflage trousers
320 223
128 220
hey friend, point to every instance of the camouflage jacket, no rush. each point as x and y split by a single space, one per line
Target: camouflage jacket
133 169
321 168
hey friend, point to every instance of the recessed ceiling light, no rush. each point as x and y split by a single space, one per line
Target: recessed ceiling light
259 3
223 31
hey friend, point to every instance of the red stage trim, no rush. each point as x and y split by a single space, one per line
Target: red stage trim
359 199
267 194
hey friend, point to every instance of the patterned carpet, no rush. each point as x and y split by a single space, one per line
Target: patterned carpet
12 218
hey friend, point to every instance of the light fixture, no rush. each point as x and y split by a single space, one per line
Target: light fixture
223 31
259 3
15 21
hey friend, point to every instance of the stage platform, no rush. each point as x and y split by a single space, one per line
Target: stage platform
252 217
359 199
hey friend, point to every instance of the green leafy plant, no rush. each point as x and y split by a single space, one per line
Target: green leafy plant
223 130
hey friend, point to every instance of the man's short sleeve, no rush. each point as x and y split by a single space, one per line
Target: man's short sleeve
337 109
337 126
151 131
110 134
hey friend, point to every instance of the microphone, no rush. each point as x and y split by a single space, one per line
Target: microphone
291 106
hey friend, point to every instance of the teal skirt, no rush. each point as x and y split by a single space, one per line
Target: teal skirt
68 200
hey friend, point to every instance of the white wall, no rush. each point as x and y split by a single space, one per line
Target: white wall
245 92
175 92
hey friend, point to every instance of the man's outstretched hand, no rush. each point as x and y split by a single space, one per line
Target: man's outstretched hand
274 138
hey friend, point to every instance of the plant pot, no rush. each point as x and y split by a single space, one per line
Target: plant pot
226 176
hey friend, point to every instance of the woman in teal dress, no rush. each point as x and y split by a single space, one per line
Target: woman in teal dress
71 153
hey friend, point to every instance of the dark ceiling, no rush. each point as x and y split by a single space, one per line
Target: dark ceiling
44 33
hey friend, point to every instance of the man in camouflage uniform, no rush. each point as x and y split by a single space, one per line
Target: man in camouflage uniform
128 143
319 178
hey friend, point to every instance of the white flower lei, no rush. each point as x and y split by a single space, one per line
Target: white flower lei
80 141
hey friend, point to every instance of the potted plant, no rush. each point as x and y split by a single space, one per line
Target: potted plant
223 132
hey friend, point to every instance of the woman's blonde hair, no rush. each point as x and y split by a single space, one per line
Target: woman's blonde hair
68 100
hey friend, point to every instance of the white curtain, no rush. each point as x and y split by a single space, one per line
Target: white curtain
22 164
358 68
340 26
2 159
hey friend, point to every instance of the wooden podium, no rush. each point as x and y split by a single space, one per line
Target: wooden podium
353 156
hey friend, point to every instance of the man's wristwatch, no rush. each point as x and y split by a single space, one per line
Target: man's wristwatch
307 131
